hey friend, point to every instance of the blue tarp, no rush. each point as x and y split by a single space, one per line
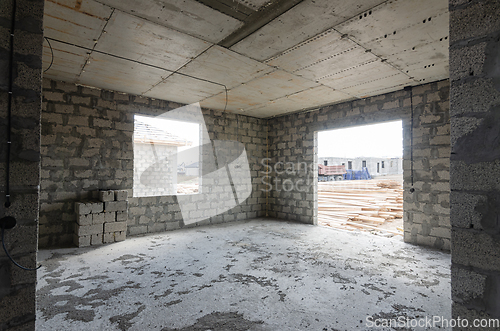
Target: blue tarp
357 174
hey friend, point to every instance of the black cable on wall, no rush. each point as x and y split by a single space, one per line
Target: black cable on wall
410 88
9 105
8 222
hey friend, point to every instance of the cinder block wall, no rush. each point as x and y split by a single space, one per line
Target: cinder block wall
17 287
87 145
292 141
475 158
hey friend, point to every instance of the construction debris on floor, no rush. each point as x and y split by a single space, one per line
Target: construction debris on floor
253 275
374 205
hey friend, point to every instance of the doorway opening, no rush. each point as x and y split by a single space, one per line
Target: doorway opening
360 179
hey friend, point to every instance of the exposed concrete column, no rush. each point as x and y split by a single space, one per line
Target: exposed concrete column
475 159
17 287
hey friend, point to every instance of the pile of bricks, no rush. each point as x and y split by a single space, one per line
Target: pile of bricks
102 220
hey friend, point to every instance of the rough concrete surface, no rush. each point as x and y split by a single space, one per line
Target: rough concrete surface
251 275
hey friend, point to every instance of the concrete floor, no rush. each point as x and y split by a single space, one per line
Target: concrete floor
254 275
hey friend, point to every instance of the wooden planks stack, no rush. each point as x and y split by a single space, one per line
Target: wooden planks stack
187 188
361 204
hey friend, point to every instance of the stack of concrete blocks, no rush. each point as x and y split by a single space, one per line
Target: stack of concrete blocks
102 220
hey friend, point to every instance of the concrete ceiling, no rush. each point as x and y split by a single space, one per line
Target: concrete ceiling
272 56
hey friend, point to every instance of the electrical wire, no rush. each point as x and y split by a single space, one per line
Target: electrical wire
225 106
9 106
9 132
412 189
52 55
142 63
10 257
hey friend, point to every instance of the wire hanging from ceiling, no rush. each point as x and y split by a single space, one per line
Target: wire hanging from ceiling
51 53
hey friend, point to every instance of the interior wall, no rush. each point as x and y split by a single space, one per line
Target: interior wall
292 141
475 158
87 146
17 287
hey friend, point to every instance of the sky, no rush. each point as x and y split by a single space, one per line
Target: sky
376 140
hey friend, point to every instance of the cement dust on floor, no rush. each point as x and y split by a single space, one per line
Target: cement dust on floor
260 274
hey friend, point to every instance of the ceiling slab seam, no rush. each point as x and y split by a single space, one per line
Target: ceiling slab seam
135 61
152 22
176 71
322 33
89 54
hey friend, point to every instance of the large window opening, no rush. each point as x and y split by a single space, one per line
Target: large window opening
367 195
166 157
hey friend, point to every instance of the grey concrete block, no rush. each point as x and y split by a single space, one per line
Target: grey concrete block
121 195
463 210
156 227
86 230
467 285
475 249
144 219
121 216
475 96
483 176
75 120
82 208
172 225
441 232
136 230
98 218
120 236
96 207
474 21
99 122
81 241
115 227
64 109
108 238
467 312
84 219
81 100
106 196
109 217
112 206
96 239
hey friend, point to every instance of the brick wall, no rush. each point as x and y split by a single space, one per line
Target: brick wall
292 141
87 145
475 158
17 287
427 210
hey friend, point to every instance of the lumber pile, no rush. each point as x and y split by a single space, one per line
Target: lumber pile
187 188
366 205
